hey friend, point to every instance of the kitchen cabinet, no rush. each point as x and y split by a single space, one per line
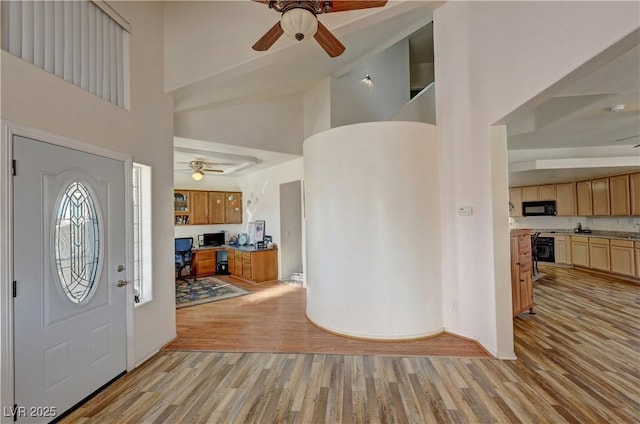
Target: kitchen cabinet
547 192
599 254
634 194
562 249
215 201
204 261
181 207
566 199
637 258
530 194
521 272
580 251
600 196
233 208
584 198
622 257
199 208
515 197
619 192
254 265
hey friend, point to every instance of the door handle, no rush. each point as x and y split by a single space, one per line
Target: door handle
121 283
121 268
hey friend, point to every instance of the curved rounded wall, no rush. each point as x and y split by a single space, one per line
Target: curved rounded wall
372 205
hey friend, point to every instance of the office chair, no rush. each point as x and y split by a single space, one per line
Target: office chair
184 256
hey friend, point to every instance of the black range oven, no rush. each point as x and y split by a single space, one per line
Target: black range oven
545 249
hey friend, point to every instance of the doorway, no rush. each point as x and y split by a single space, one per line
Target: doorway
290 228
69 262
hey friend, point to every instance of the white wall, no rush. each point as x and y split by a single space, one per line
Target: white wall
373 233
275 124
263 189
490 58
317 108
35 98
354 101
422 108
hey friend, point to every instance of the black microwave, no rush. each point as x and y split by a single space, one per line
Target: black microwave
540 208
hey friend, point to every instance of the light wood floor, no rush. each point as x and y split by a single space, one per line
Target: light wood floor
272 319
578 362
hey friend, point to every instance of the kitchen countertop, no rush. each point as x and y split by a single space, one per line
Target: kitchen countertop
618 235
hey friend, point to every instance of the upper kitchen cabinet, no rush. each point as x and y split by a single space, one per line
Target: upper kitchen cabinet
216 207
619 191
600 194
233 208
181 207
634 193
515 197
547 192
584 198
199 208
530 194
566 199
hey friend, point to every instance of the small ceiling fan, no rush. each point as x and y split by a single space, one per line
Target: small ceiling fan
300 20
200 166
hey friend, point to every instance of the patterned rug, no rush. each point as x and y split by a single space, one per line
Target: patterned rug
205 290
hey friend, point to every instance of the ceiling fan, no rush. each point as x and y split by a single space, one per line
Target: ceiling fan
300 20
200 166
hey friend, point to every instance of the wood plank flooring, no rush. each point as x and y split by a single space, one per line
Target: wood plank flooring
272 319
578 362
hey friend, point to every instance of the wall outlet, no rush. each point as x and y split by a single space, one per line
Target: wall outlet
454 305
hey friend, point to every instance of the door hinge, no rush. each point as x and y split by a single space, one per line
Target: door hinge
13 167
15 288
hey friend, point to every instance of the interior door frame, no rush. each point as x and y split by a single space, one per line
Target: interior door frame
10 129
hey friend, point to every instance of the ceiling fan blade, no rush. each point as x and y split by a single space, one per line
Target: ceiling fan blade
268 38
628 138
212 170
328 41
343 6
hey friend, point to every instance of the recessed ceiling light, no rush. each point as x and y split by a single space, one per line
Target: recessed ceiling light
616 108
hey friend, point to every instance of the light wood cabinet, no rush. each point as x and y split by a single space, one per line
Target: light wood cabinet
562 249
622 257
584 198
215 200
521 272
566 199
515 197
599 254
233 208
254 265
634 194
547 192
619 192
600 195
204 262
637 259
199 208
580 251
181 207
530 194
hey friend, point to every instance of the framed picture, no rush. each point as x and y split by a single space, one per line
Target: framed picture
258 231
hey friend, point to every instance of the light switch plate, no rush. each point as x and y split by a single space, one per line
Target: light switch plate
465 210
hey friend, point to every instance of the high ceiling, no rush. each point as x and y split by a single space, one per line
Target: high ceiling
569 122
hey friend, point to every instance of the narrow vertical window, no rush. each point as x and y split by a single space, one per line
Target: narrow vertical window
142 254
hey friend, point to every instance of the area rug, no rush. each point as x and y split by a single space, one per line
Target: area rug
205 290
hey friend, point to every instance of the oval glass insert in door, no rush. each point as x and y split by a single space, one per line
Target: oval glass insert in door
77 242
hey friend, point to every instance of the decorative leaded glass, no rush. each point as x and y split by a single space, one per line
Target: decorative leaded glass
77 242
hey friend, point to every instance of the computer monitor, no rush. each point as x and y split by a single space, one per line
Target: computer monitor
214 239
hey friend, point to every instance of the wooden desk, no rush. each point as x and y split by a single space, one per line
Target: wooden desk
204 260
253 265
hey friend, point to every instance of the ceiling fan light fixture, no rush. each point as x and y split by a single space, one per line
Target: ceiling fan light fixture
299 23
197 175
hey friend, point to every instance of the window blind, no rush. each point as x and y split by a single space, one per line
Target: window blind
73 40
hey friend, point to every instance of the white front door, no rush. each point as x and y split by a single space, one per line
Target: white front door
69 243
